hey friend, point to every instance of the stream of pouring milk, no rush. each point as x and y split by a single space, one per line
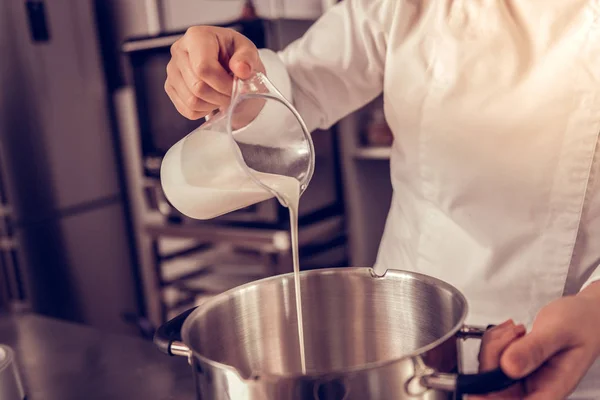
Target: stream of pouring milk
288 189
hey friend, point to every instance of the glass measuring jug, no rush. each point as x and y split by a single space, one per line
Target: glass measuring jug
241 155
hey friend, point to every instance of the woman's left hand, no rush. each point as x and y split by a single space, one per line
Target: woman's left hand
562 345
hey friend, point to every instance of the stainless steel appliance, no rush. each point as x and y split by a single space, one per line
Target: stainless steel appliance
371 337
68 220
11 387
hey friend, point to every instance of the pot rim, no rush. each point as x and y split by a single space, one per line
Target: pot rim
341 371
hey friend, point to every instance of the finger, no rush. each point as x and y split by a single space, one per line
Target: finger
199 86
495 342
245 59
204 66
181 107
205 102
185 100
487 350
528 353
559 376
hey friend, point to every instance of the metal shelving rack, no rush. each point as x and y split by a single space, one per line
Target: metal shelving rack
12 290
373 153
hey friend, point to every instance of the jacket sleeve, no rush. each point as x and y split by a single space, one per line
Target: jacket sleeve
337 66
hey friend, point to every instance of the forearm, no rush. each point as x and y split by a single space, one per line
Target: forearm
591 294
592 291
335 68
338 65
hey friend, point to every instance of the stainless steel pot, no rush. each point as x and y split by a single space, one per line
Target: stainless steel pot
372 337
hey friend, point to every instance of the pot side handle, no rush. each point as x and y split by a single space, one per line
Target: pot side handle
168 336
464 384
484 382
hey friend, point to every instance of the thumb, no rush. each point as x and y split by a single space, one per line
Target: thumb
527 354
245 59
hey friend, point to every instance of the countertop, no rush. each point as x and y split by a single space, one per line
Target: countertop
64 361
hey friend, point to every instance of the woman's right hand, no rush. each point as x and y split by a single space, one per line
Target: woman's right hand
203 62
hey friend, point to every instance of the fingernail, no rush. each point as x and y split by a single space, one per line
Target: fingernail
244 64
520 362
520 329
523 364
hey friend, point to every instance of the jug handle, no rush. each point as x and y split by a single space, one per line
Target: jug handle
168 336
481 383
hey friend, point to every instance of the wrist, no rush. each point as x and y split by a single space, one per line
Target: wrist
590 295
592 292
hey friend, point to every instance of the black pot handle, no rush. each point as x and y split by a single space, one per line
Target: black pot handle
483 382
465 384
170 333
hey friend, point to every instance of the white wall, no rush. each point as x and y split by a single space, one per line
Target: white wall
179 14
289 9
137 17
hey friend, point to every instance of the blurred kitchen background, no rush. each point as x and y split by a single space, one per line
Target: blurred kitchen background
86 234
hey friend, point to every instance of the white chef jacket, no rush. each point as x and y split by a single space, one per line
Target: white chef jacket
495 110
